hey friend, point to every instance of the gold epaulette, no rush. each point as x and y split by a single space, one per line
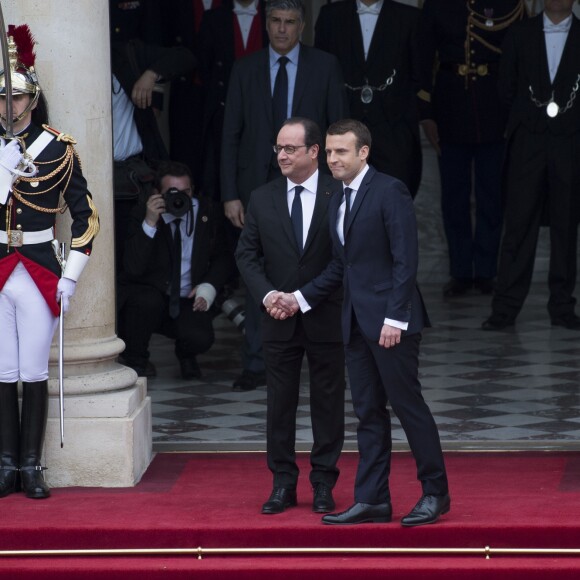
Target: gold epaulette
60 136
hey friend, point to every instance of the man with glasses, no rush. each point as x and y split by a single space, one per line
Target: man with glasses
284 244
265 88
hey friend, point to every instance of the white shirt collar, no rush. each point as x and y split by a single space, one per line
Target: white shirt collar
355 183
310 184
372 9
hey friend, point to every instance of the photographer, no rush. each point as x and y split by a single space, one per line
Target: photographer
174 264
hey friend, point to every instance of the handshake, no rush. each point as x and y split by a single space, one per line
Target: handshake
281 305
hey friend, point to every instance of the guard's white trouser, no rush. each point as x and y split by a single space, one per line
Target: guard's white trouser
26 329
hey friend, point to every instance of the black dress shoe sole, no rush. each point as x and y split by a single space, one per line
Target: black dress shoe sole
277 510
425 522
320 509
376 520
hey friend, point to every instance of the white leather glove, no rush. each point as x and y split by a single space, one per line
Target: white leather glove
10 157
64 292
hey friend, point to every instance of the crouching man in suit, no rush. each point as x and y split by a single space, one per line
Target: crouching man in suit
176 260
374 235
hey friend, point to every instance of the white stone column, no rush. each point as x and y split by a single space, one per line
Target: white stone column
107 412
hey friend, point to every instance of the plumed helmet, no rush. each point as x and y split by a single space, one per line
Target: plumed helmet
22 57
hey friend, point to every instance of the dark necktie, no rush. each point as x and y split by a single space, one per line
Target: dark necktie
296 216
176 273
347 192
280 95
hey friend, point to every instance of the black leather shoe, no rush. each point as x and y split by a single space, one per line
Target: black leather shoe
427 510
457 287
569 321
323 501
280 499
498 322
189 368
484 285
361 513
248 381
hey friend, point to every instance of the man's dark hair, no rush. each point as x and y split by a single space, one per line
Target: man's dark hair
173 168
360 130
297 5
312 133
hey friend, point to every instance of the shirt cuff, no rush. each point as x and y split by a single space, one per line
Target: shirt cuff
396 323
304 306
150 231
206 291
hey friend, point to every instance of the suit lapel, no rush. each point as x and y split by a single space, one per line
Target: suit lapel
542 57
303 73
383 33
360 195
264 87
280 201
356 38
571 51
199 227
320 214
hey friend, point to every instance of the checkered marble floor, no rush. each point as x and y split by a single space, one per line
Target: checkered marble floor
513 389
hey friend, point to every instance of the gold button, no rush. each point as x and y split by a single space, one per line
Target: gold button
18 227
19 210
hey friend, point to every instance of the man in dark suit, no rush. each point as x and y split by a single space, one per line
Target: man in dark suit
463 119
176 261
259 99
374 234
538 81
285 243
376 44
227 33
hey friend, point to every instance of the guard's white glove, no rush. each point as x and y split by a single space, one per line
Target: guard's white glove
10 158
64 292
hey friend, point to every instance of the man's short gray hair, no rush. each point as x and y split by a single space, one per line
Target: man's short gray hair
297 5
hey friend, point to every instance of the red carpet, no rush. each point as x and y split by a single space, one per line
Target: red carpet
501 500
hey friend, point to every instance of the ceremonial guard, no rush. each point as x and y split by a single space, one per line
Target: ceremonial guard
463 119
40 177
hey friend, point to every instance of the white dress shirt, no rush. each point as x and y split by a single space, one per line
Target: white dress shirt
245 16
555 36
368 16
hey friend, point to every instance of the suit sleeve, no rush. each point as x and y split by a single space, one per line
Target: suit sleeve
85 225
249 258
231 134
138 246
401 227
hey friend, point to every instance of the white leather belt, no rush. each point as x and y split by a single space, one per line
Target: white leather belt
28 237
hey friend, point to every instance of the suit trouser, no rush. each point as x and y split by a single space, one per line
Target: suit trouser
327 387
465 168
146 310
543 174
379 376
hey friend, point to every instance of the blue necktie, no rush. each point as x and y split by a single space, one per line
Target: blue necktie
347 192
176 272
296 216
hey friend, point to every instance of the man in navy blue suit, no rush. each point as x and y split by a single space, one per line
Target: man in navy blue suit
375 258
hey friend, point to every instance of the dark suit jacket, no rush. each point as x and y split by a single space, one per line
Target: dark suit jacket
217 56
149 260
378 263
392 115
268 258
248 133
524 64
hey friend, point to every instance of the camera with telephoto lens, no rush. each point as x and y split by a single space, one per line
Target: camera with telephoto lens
177 202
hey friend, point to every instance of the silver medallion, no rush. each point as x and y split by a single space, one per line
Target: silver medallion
552 109
366 94
489 23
